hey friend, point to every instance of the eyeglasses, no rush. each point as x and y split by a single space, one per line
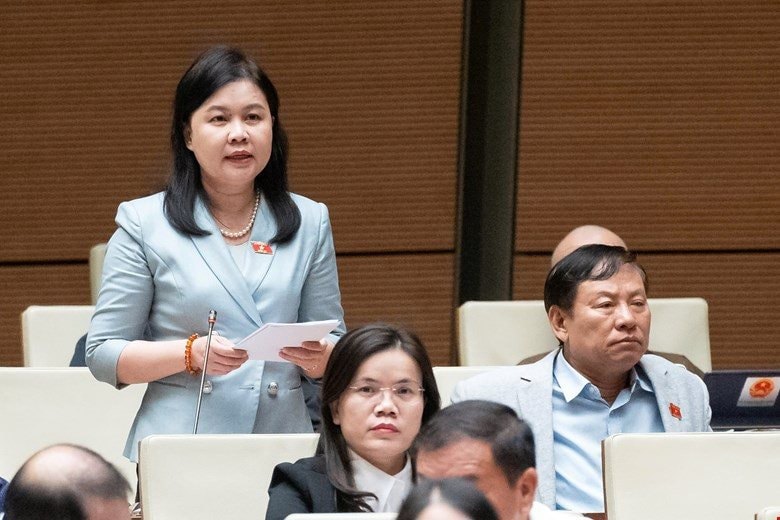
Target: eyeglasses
404 392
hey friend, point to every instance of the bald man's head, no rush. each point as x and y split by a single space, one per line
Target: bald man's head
582 236
67 482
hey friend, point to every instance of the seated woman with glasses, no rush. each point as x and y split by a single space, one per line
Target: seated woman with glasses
378 389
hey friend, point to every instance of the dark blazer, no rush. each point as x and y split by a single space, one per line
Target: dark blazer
302 487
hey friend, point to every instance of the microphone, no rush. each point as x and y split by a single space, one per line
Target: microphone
212 321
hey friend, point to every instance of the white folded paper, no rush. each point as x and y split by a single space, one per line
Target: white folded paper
264 343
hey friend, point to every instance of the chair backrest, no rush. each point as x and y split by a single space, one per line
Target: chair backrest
506 332
682 326
96 256
502 333
214 476
44 406
342 516
448 377
50 333
717 476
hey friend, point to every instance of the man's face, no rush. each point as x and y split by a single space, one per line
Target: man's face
606 331
473 459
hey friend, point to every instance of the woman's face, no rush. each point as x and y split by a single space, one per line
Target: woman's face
231 136
380 425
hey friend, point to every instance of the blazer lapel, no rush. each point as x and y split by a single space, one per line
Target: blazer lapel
535 402
262 233
215 254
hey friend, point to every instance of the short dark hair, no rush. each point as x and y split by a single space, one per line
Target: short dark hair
63 496
211 71
589 262
349 353
459 493
511 440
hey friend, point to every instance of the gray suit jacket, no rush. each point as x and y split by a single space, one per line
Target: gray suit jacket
528 390
159 284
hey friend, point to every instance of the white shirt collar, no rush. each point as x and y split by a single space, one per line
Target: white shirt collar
390 490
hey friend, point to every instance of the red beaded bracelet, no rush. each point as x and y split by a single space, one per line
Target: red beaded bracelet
188 355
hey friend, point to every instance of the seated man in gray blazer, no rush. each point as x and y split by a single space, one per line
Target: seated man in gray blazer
600 382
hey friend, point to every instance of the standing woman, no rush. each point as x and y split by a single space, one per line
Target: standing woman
377 391
225 235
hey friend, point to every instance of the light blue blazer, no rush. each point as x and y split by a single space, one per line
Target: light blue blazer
159 284
527 389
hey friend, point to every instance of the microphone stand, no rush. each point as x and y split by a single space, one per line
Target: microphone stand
212 321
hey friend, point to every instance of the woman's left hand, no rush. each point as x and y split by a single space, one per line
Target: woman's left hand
311 356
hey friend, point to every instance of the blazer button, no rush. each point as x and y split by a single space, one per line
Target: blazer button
273 388
207 387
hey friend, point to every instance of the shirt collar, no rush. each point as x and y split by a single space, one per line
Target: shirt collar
390 490
572 382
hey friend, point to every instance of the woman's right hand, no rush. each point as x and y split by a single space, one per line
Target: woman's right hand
223 357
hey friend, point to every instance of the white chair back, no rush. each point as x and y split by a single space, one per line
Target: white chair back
44 406
202 477
682 326
506 332
502 333
50 333
448 377
718 476
96 256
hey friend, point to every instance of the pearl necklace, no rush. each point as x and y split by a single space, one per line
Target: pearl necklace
239 234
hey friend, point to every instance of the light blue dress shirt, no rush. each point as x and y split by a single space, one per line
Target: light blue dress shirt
581 420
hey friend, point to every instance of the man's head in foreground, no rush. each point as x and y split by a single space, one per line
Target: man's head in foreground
487 443
67 482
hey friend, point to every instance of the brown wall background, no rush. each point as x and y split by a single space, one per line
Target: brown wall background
659 120
370 97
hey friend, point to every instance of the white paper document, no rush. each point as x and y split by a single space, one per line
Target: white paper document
264 343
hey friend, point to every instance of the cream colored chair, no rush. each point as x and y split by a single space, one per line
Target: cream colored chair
50 333
342 516
506 332
96 256
44 406
682 326
448 377
202 477
717 476
502 333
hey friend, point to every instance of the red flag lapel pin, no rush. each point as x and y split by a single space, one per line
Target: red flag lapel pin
675 411
261 248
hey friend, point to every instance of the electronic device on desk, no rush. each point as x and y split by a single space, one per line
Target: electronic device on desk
744 399
769 513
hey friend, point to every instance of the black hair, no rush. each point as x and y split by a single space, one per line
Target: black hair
62 496
459 493
511 440
348 355
211 71
589 262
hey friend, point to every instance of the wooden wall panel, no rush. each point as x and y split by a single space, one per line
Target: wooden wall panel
412 290
739 288
36 285
370 97
658 118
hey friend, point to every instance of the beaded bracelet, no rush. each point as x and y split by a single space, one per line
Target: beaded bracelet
188 355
